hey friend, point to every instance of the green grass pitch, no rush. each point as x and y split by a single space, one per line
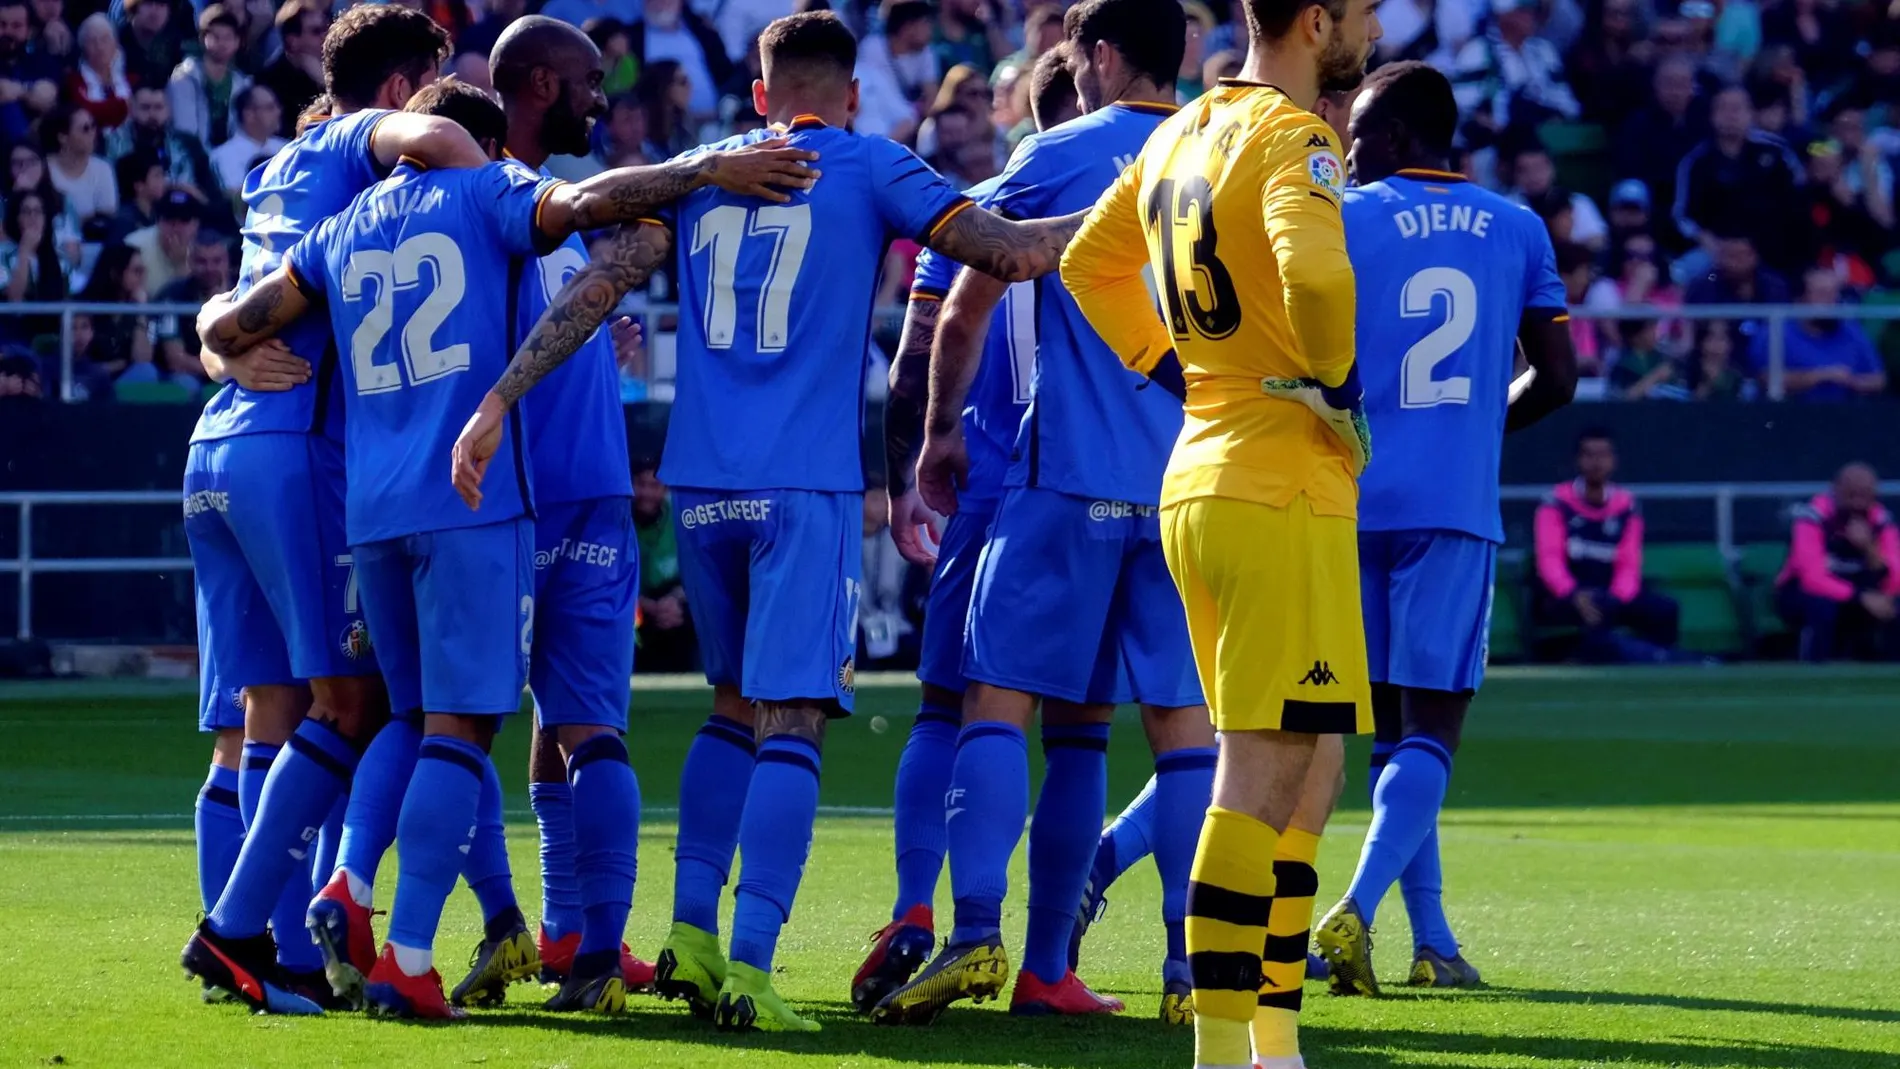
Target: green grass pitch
1654 869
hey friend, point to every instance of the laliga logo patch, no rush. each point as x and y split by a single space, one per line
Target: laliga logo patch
848 676
1327 172
355 642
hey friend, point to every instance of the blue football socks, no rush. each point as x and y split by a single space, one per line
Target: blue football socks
486 869
1405 806
984 812
1128 839
253 769
553 805
923 775
1062 841
436 825
606 827
219 829
329 841
713 787
1183 789
382 779
1422 884
296 798
775 841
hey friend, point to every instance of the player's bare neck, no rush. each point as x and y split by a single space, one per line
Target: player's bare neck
524 138
1143 91
1285 69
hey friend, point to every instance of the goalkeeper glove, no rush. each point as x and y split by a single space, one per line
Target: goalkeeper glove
1342 408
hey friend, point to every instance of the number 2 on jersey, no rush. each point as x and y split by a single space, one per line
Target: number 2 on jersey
393 272
722 230
1198 288
1417 387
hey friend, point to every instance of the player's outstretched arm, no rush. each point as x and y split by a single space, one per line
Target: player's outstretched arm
1004 248
961 327
904 425
1102 270
432 139
572 317
228 329
766 170
1544 335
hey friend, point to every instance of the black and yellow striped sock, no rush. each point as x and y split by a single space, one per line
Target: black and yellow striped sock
1229 904
1276 1024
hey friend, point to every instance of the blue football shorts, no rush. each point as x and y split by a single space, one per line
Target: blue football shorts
276 599
586 588
772 580
1426 596
220 708
940 658
452 616
1073 601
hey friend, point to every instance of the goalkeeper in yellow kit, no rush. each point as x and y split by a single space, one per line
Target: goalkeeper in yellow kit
1234 203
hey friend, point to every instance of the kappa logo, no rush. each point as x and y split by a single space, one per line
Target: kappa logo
1320 675
355 641
1318 141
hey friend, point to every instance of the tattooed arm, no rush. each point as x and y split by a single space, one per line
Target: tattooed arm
623 195
954 359
572 317
1003 248
910 389
228 329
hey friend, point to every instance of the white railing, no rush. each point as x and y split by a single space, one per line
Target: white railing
1774 316
26 565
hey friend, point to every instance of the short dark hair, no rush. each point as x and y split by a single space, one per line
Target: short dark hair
134 168
901 14
1271 19
1571 256
20 3
248 99
1150 34
294 11
1416 98
469 107
218 15
370 43
55 126
137 89
1051 86
1594 433
807 45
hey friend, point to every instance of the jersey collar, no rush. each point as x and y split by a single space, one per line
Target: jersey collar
1154 107
1428 174
1242 83
805 122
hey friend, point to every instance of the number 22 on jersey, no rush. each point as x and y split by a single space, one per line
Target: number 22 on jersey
390 273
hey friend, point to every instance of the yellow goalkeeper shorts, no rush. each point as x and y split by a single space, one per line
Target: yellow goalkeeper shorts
1272 597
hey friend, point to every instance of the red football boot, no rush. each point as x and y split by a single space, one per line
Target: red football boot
394 993
898 950
1068 998
342 930
557 960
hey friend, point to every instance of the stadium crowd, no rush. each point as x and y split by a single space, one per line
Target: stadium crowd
1680 154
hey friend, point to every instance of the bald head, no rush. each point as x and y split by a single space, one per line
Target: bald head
1857 487
538 41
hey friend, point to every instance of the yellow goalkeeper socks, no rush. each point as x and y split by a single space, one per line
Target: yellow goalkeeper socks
1230 901
1276 1024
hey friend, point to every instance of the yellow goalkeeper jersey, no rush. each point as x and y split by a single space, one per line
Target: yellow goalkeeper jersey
1235 203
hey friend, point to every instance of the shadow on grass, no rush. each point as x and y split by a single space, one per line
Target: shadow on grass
1126 1042
1684 1002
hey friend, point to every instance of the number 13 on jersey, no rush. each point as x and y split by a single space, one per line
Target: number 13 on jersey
1197 288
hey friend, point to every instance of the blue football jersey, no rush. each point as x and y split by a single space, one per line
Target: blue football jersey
993 411
1445 270
416 272
775 314
309 180
577 431
1093 428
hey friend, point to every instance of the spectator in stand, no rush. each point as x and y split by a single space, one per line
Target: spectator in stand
898 72
1876 86
740 22
69 135
1737 275
1042 31
204 89
1777 81
153 41
1611 67
1640 276
259 118
1842 232
1651 143
1712 374
950 133
1510 78
1589 545
471 67
963 90
1741 179
1642 371
178 343
1221 65
665 94
19 377
167 245
576 13
187 165
1576 265
295 77
1534 176
28 170
1628 211
671 30
117 341
142 182
52 37
666 627
972 32
98 82
29 83
1868 172
31 262
1827 358
1433 31
1823 43
620 70
1200 24
496 15
1843 572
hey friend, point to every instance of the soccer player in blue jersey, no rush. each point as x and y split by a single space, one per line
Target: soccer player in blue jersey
264 516
991 417
1452 280
1073 606
763 454
446 583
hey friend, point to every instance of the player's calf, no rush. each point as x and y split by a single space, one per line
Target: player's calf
775 828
